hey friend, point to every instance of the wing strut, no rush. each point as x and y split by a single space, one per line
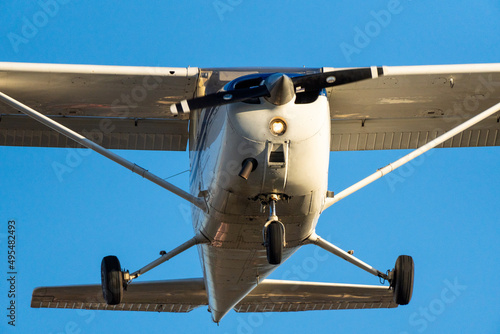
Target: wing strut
412 155
199 202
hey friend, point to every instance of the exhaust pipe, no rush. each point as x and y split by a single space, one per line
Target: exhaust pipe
248 166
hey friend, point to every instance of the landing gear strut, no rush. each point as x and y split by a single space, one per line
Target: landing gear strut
274 234
400 278
114 280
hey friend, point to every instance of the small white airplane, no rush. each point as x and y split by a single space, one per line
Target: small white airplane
259 143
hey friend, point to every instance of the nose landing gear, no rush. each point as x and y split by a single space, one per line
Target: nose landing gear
274 234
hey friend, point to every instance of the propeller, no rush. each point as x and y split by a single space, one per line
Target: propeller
279 89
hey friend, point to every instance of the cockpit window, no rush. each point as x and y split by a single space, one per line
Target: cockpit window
253 82
306 97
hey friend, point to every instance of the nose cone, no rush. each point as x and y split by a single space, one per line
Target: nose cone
281 89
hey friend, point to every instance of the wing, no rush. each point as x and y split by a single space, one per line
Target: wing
161 296
411 105
291 296
186 295
117 106
128 107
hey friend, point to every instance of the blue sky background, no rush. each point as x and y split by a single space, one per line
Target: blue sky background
444 209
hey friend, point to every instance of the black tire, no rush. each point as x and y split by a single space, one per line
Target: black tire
111 280
274 243
403 279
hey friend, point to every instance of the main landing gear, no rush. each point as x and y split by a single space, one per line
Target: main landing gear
400 278
111 280
114 280
274 233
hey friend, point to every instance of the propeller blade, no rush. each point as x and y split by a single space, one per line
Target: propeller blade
218 99
279 89
316 82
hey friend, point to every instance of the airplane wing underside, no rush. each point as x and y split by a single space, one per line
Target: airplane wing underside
159 296
124 107
291 296
118 107
186 295
411 105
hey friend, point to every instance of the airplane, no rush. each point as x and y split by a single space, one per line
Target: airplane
259 142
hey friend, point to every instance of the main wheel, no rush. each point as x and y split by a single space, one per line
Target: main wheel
274 243
403 279
111 280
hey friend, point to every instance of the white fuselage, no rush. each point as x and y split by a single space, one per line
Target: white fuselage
293 165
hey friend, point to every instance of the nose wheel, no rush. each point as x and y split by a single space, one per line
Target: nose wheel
274 242
274 234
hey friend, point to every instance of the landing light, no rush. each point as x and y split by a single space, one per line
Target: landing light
277 126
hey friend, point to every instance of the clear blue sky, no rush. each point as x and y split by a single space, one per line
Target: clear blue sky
444 211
